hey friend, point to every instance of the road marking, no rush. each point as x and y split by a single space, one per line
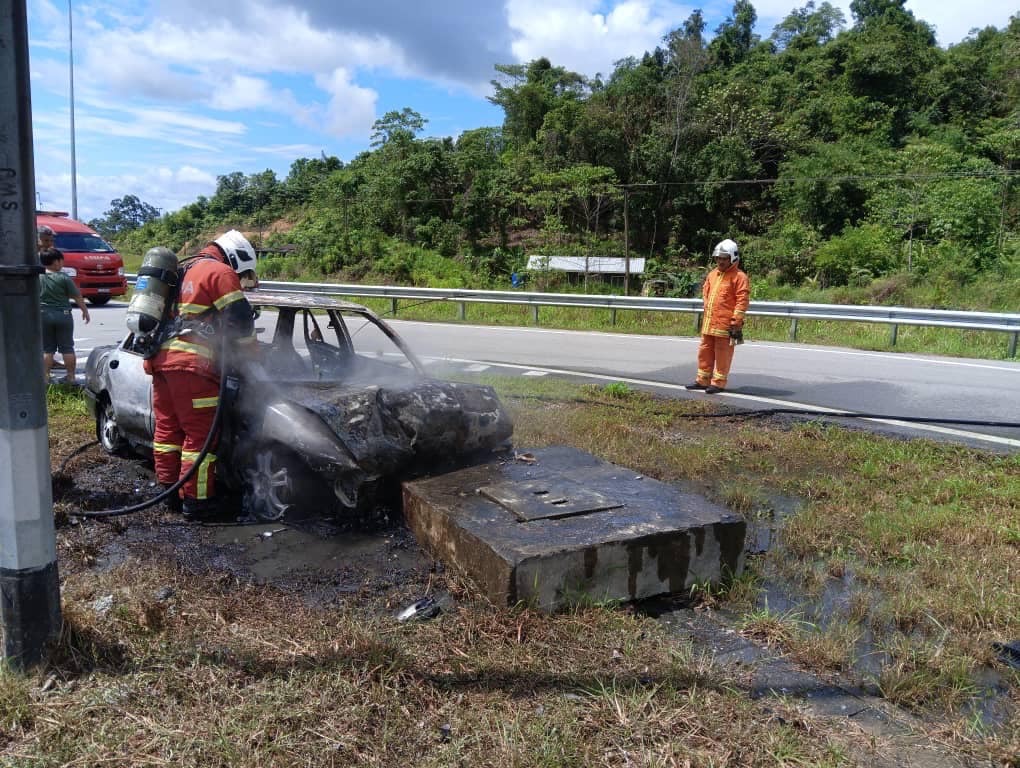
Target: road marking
895 356
807 407
535 373
477 368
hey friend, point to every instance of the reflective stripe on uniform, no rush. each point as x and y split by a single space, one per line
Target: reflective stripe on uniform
167 448
205 402
192 309
186 346
228 298
709 306
202 473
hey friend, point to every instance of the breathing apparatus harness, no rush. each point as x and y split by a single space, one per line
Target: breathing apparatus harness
148 344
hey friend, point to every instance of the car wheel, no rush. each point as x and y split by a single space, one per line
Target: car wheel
107 431
98 301
278 484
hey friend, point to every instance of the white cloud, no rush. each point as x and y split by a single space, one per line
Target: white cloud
164 187
289 151
243 92
351 108
952 21
576 35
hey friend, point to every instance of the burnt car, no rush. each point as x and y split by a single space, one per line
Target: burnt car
325 416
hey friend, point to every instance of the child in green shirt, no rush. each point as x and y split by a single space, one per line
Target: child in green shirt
56 290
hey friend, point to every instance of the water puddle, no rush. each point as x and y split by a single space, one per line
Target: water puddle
834 604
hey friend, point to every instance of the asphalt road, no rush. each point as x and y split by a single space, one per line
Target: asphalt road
764 374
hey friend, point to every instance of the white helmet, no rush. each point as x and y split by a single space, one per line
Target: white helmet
727 248
239 252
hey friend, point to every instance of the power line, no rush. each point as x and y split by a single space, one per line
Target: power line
947 175
998 173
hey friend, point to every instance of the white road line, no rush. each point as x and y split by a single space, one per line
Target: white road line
821 410
477 368
535 373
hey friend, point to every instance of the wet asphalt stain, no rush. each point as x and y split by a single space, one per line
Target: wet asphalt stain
320 561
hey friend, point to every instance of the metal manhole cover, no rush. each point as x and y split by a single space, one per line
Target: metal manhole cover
547 499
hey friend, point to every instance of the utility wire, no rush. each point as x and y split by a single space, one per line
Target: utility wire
652 185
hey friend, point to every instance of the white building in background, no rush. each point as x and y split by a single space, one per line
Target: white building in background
593 265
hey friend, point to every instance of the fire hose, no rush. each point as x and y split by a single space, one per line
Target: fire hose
226 383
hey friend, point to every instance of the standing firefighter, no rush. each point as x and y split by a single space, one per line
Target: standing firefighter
726 292
211 314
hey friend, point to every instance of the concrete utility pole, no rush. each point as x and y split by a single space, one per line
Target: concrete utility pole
29 586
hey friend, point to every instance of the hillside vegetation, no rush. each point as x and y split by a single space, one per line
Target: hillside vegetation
853 161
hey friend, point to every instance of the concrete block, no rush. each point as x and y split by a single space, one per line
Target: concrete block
570 526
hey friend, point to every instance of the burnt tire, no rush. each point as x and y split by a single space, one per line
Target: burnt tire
277 484
107 432
98 301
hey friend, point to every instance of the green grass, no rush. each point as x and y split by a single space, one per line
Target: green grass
866 336
923 528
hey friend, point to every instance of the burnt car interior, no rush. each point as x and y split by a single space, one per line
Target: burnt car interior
308 346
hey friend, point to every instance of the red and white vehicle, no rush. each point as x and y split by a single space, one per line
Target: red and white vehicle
94 265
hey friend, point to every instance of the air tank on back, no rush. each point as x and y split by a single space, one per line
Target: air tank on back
157 278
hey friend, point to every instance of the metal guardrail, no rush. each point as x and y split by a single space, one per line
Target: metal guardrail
891 316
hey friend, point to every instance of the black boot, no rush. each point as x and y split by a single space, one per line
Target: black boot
201 510
173 501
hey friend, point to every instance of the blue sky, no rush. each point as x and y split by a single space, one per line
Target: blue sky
169 94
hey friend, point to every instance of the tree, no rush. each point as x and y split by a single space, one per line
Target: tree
397 126
809 27
687 59
735 37
529 91
124 215
229 196
306 174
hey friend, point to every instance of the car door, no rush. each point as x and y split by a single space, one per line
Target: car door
131 393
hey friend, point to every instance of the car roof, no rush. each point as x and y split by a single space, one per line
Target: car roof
260 298
62 223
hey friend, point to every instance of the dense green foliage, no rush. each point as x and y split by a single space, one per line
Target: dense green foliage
836 154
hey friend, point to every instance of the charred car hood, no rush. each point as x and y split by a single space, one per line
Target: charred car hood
388 429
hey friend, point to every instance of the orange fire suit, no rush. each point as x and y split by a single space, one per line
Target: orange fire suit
726 293
185 373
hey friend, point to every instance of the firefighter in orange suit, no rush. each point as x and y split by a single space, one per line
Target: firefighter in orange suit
186 370
727 292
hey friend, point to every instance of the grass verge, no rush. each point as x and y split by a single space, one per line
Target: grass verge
869 336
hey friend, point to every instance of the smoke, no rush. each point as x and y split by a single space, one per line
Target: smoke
335 389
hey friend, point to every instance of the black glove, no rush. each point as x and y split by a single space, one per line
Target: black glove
736 334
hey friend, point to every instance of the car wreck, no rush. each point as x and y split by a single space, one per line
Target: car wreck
328 413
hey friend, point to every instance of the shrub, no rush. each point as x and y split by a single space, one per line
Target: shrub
868 248
786 252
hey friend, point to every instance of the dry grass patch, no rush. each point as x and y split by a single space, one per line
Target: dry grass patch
202 671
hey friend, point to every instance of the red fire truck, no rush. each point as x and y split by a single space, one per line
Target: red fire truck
94 265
